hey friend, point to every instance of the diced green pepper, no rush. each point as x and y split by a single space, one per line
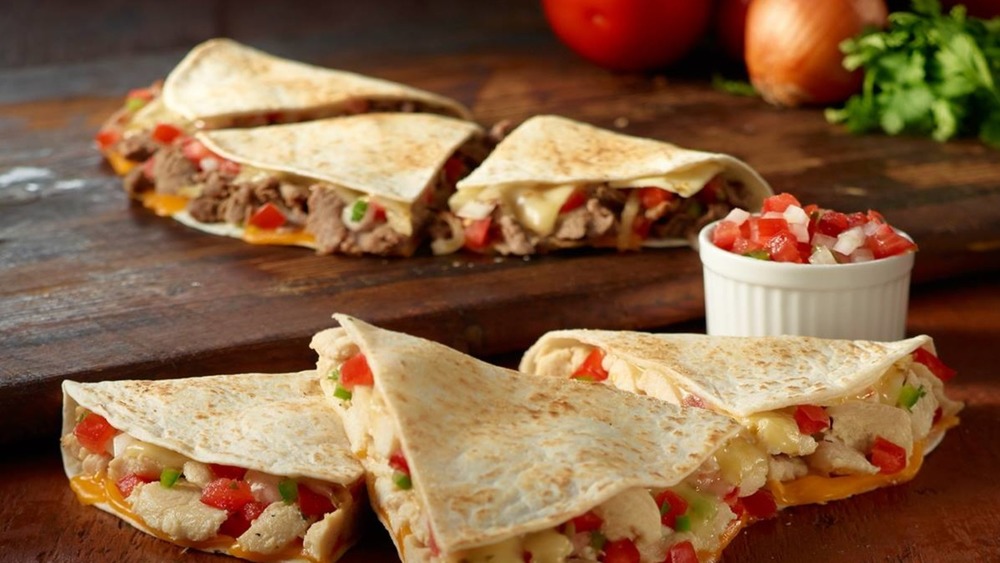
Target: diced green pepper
334 374
358 210
134 104
402 480
665 507
909 395
169 477
758 254
597 541
683 523
342 394
289 490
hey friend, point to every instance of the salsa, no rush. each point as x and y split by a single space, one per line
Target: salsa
787 231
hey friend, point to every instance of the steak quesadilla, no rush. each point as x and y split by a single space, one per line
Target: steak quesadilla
473 462
223 84
829 418
364 184
556 183
251 465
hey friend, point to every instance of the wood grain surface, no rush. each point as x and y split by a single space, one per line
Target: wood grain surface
949 512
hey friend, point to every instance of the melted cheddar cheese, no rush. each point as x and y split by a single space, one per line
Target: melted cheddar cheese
164 205
119 163
254 235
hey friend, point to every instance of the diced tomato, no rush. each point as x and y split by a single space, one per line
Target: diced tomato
398 462
831 223
355 371
713 191
651 197
682 552
165 133
576 199
760 505
129 482
477 234
875 217
888 457
454 169
228 167
779 203
938 413
763 228
744 245
194 150
379 211
591 368
811 419
933 363
235 525
107 137
253 509
227 494
641 226
432 542
783 247
724 234
732 498
856 219
621 551
671 506
267 217
227 471
810 209
885 241
587 522
312 503
94 432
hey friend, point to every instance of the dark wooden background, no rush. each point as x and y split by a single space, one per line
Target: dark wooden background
92 288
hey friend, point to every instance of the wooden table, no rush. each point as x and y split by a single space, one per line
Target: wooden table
92 288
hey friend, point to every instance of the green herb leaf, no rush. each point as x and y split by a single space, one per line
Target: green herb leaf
289 490
929 73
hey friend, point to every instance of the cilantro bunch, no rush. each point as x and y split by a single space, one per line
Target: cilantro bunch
928 73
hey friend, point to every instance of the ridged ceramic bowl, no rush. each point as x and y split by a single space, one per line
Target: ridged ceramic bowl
749 297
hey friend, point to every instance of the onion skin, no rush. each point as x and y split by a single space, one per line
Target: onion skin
792 48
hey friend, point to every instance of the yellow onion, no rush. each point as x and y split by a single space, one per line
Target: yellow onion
792 47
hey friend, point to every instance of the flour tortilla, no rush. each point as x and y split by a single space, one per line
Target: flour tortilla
221 78
391 155
275 423
549 151
494 454
742 376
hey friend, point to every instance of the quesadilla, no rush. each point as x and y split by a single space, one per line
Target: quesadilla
467 461
248 465
364 184
556 183
832 418
223 84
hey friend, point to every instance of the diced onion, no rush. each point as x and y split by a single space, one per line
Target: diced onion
738 216
476 209
800 231
819 239
773 215
849 240
451 244
870 227
208 164
795 215
120 442
862 255
822 255
263 486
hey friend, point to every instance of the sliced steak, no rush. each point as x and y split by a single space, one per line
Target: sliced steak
516 239
324 222
136 182
138 147
172 171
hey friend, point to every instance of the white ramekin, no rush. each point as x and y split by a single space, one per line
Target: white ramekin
749 297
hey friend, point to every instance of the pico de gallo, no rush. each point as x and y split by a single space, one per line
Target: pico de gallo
787 231
215 507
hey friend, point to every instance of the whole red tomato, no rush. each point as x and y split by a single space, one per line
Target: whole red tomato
629 35
730 26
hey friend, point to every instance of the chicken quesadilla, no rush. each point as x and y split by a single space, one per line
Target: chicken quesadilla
556 183
223 84
467 461
364 184
250 465
828 418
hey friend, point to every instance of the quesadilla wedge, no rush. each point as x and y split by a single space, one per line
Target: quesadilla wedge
363 184
467 461
250 465
557 183
832 418
223 84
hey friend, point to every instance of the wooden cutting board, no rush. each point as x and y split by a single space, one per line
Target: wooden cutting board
92 287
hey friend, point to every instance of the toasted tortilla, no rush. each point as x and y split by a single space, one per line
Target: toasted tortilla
742 376
549 151
391 155
495 454
275 423
221 78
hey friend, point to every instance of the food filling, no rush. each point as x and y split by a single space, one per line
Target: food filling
812 453
691 521
213 507
524 220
